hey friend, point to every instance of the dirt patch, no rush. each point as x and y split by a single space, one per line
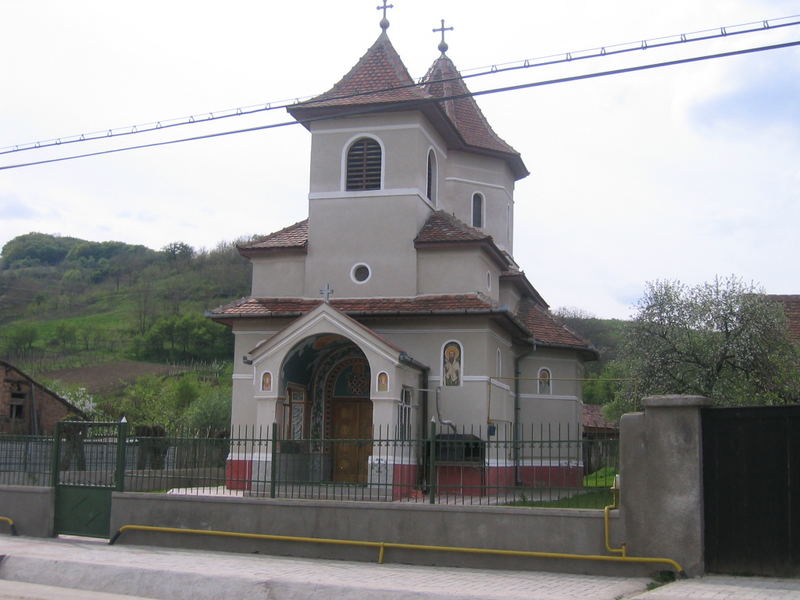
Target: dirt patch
110 377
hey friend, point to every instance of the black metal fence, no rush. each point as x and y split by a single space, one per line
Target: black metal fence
542 466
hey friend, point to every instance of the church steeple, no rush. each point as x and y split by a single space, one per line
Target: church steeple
380 82
378 78
444 81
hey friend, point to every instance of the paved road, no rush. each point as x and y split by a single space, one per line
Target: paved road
15 590
168 574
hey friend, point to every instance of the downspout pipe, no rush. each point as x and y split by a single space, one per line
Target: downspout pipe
423 456
517 409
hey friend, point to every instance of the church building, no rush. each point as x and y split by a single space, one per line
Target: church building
398 301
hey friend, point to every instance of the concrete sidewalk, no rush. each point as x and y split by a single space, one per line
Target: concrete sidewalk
723 587
176 574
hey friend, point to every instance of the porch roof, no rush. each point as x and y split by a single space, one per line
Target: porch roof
439 304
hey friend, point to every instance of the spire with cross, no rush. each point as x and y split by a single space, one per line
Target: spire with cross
442 45
384 20
327 292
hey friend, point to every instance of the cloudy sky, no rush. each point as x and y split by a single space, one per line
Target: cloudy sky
683 172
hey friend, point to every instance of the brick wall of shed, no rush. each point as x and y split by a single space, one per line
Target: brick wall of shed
49 408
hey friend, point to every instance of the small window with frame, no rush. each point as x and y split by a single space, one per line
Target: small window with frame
430 188
477 210
16 411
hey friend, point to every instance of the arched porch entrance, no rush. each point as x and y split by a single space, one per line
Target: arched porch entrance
324 409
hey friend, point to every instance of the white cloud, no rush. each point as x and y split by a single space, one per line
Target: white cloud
685 172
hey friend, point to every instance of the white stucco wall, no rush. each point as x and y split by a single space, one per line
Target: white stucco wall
405 138
470 173
280 275
459 270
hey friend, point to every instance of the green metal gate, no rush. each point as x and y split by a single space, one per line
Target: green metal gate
88 465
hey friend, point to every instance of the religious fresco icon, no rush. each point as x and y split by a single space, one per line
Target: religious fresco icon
383 382
544 381
451 365
266 382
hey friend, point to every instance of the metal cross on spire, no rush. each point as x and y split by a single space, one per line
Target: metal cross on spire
384 20
327 292
442 45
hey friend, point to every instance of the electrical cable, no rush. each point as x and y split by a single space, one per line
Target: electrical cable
599 52
421 101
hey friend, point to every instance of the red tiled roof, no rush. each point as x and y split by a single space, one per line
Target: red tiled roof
592 417
266 307
548 331
443 80
791 308
379 69
444 227
294 236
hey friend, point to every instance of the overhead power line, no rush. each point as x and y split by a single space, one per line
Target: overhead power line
414 103
564 57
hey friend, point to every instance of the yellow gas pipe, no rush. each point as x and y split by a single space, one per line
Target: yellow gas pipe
623 550
10 524
381 546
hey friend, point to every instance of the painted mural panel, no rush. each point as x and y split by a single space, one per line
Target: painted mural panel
451 366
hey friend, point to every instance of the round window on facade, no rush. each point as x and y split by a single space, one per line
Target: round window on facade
361 273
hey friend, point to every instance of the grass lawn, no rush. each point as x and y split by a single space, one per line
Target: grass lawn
598 498
604 478
597 493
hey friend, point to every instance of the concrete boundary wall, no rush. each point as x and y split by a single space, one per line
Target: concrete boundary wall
574 531
31 509
660 516
661 460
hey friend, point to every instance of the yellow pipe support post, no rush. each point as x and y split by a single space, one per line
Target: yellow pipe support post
623 549
382 545
10 524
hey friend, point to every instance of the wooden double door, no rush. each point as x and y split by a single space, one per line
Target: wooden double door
352 423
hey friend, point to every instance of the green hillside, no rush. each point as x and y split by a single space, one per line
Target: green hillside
121 327
71 302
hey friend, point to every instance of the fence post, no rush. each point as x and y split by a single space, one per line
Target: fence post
122 439
273 465
432 464
56 454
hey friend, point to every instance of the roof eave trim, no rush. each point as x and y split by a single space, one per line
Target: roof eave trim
587 350
255 252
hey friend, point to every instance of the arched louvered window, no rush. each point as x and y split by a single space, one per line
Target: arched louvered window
364 165
477 210
431 187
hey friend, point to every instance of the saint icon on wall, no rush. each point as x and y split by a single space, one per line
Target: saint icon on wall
383 382
544 381
266 382
451 367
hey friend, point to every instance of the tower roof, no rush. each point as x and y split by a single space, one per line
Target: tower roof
444 81
379 81
379 77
